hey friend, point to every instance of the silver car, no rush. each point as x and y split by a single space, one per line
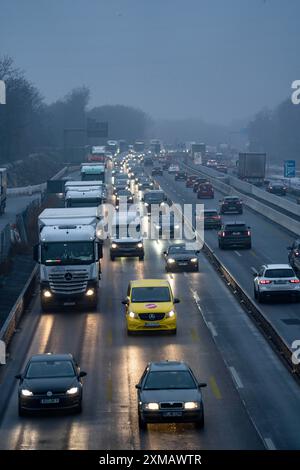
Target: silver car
276 280
169 392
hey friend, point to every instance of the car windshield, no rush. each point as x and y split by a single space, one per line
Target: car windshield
169 380
231 199
177 249
158 197
210 214
50 369
150 294
281 272
63 253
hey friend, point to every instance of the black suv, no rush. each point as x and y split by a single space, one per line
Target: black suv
180 176
157 170
230 205
294 255
234 234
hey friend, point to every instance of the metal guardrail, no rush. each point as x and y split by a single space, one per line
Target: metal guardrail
10 325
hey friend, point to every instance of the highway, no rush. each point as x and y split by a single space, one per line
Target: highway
250 400
269 245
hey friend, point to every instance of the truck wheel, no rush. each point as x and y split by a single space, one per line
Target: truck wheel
45 307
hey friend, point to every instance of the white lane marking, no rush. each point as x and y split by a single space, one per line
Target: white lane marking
253 270
269 443
237 253
236 377
196 296
212 328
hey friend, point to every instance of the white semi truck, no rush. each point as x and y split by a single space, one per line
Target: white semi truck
69 252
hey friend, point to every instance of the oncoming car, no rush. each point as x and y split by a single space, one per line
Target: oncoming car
168 392
50 382
150 306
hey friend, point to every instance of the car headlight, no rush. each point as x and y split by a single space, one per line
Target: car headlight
146 204
170 314
191 405
140 245
114 245
72 391
171 260
194 260
26 393
151 406
90 292
47 294
133 315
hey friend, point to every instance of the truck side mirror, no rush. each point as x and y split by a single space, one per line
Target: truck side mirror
36 253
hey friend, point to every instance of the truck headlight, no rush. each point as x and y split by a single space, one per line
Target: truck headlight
26 393
90 292
47 293
191 405
194 260
72 391
146 204
170 314
171 260
114 245
140 245
151 406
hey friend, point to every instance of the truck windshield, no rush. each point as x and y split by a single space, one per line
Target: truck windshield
154 198
63 253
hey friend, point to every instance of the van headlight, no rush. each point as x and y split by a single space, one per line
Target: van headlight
26 393
133 315
170 314
90 292
47 294
140 245
171 260
194 260
114 245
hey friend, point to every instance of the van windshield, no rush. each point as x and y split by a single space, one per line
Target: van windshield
150 294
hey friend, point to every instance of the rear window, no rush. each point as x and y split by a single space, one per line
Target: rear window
279 273
231 199
236 227
210 213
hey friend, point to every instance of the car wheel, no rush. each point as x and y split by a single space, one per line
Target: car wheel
112 258
78 409
221 246
255 293
142 423
200 423
249 246
141 258
260 297
21 412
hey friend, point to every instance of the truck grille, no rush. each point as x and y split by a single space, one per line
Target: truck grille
151 316
70 282
171 405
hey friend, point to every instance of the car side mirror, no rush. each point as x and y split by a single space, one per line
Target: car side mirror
176 300
138 386
197 252
165 253
19 376
202 385
36 253
125 302
82 374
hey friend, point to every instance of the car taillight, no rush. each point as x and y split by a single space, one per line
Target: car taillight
294 281
222 234
248 233
264 281
296 253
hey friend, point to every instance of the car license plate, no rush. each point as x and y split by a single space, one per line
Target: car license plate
152 324
280 282
69 303
169 414
182 263
48 401
236 233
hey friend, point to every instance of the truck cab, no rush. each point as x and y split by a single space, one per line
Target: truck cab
86 198
69 266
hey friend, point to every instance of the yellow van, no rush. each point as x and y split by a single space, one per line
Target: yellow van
150 306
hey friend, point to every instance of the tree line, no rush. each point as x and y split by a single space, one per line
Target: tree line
277 132
29 125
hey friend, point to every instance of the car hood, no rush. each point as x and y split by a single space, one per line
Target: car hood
182 256
55 385
170 395
127 240
151 307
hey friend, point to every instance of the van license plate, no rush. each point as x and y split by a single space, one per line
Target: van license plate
48 401
69 303
152 324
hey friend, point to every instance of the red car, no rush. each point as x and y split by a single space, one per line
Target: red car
190 181
205 190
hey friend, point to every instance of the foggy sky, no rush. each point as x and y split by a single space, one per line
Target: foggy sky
215 59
